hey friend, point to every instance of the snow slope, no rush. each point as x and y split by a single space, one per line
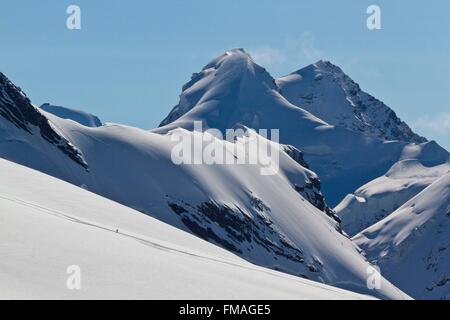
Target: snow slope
233 206
26 136
327 92
412 245
84 118
382 196
47 225
232 89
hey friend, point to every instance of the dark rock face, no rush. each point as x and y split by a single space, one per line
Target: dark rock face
242 232
16 108
311 189
372 111
327 92
295 154
311 192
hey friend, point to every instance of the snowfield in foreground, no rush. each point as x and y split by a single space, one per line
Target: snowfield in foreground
47 225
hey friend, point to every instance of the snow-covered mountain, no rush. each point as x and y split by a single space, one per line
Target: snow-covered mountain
328 93
280 221
232 89
47 225
84 118
382 196
233 206
24 131
412 245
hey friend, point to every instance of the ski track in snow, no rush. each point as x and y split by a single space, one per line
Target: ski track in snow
231 90
153 244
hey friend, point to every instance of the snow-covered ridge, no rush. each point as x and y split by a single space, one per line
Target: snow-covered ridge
327 92
48 225
232 206
16 108
380 197
84 118
412 245
232 90
280 221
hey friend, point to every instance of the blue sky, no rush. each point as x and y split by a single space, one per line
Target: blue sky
128 62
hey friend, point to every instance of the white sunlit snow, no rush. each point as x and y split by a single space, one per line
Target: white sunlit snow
338 146
382 196
412 245
48 225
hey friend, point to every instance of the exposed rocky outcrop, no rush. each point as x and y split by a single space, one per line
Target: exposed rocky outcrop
17 109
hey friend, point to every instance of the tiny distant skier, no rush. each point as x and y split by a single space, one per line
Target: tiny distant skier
117 230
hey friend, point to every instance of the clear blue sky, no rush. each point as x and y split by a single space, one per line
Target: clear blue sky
130 59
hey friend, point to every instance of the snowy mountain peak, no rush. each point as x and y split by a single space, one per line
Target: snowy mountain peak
325 65
230 77
327 92
237 55
318 110
316 70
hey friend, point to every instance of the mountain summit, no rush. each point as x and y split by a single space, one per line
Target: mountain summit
327 92
342 133
230 89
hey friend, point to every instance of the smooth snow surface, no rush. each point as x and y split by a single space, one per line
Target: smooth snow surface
84 118
412 245
47 225
382 196
233 206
